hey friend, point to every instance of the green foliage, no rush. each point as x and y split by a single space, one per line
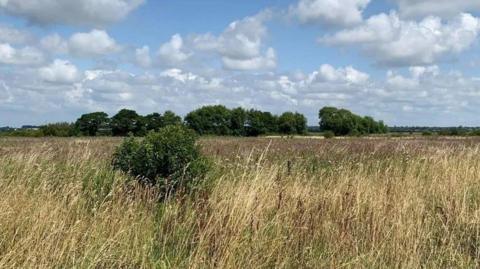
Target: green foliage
61 129
328 134
292 123
260 123
169 159
92 123
344 122
128 121
170 118
22 133
238 119
219 120
210 120
155 121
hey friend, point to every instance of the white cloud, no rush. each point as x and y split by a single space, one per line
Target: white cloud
392 41
142 57
330 12
173 52
241 45
328 73
60 71
91 44
78 12
54 43
22 56
267 61
444 8
14 36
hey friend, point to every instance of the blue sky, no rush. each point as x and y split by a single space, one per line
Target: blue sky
407 62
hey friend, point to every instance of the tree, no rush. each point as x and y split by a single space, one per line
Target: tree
169 159
153 122
210 120
300 123
287 123
89 124
238 119
61 129
170 118
344 122
127 121
259 123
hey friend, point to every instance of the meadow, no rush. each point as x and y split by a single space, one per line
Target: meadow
268 203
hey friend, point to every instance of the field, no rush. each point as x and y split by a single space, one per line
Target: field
269 203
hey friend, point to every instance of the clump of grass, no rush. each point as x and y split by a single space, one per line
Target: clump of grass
356 203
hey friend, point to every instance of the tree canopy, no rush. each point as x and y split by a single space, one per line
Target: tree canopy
89 124
344 122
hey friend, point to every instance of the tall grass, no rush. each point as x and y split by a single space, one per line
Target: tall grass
282 203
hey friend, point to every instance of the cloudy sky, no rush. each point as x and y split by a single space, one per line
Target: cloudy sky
408 62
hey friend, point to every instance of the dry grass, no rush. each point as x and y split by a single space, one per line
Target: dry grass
296 203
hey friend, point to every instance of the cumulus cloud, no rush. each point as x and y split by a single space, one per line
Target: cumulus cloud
443 8
79 12
54 43
392 41
241 45
142 57
14 36
328 73
60 71
20 56
329 12
93 43
174 51
262 62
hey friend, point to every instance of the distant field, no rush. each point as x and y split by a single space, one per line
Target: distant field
270 202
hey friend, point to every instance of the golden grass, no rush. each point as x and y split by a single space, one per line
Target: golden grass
294 203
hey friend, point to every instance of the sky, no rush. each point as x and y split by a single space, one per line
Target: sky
407 62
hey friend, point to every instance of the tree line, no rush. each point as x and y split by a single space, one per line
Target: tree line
344 122
211 120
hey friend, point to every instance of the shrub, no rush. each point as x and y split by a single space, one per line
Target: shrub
328 134
169 159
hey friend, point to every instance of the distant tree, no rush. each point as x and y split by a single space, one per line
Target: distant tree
292 123
153 122
300 123
259 123
89 124
61 129
287 123
128 121
210 120
238 119
344 122
170 118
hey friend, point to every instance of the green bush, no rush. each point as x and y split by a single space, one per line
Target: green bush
328 134
169 159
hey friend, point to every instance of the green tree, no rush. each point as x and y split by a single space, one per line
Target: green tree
300 123
260 123
210 120
287 123
238 120
169 159
128 121
61 129
170 118
344 122
89 124
153 122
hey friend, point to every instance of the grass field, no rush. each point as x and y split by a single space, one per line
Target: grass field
269 203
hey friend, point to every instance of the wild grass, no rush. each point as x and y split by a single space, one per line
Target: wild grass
270 203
